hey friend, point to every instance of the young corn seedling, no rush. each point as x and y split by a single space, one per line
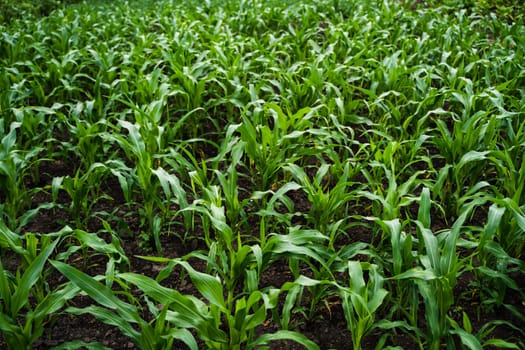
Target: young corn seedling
269 147
13 165
454 189
238 316
479 340
91 244
328 204
36 125
437 276
361 300
387 202
89 145
112 310
141 145
403 258
84 191
388 199
496 253
27 303
307 249
228 180
271 216
228 256
510 165
174 193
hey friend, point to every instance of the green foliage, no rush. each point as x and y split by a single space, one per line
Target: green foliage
371 150
11 10
511 10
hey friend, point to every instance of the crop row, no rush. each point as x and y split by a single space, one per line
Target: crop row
376 152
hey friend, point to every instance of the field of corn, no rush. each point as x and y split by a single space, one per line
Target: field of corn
251 174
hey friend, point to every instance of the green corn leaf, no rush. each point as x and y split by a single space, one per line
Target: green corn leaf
97 291
289 302
167 181
188 311
431 247
5 288
416 273
79 344
394 228
518 214
185 336
357 282
259 316
423 215
449 256
7 324
283 335
10 239
218 220
55 301
469 340
279 195
96 243
503 277
431 310
500 344
471 156
467 325
110 318
210 287
30 277
493 221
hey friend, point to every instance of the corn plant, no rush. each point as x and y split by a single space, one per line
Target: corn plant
388 199
328 203
275 212
297 248
174 193
228 181
496 255
141 145
438 273
228 256
36 125
403 259
511 169
13 165
268 147
362 300
27 302
124 315
451 180
89 244
84 191
470 340
241 318
89 144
